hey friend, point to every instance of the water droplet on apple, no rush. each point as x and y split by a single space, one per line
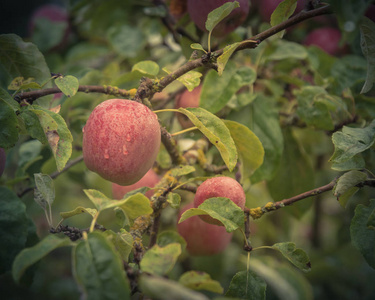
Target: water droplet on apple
124 150
128 137
106 155
83 129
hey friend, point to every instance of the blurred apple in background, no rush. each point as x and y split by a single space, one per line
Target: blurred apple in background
188 99
202 238
326 38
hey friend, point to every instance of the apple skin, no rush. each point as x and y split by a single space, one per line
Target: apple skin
149 180
188 99
267 7
3 158
178 8
326 38
219 187
121 140
199 10
202 239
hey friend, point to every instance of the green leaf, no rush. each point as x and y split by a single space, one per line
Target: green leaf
55 132
182 170
197 46
346 185
123 242
17 231
200 281
368 49
8 125
314 106
363 237
264 122
168 237
286 282
190 79
287 50
126 40
218 14
294 176
296 256
216 132
250 149
133 206
21 59
4 96
160 260
30 256
44 184
352 141
223 58
247 285
218 90
147 68
19 83
68 85
222 209
77 211
174 200
371 220
158 288
99 270
282 13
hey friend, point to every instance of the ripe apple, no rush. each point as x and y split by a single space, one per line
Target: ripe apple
326 38
266 7
199 10
188 99
219 187
121 140
3 158
149 180
202 238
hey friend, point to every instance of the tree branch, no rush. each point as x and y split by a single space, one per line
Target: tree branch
256 213
106 89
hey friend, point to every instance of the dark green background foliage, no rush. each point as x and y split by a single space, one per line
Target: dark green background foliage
284 119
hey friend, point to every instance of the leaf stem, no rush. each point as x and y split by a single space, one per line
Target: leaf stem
93 222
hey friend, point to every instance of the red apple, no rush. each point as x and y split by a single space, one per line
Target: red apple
121 140
199 10
149 180
3 158
188 99
267 7
202 238
219 187
326 38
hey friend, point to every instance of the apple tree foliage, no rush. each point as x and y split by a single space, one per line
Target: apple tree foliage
293 124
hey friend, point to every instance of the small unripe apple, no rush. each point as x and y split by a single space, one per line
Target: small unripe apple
326 38
199 10
149 180
188 99
3 158
267 7
121 140
219 187
202 238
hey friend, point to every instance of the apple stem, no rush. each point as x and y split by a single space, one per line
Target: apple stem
185 130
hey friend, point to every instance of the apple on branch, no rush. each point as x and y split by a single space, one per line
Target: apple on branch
121 140
223 186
